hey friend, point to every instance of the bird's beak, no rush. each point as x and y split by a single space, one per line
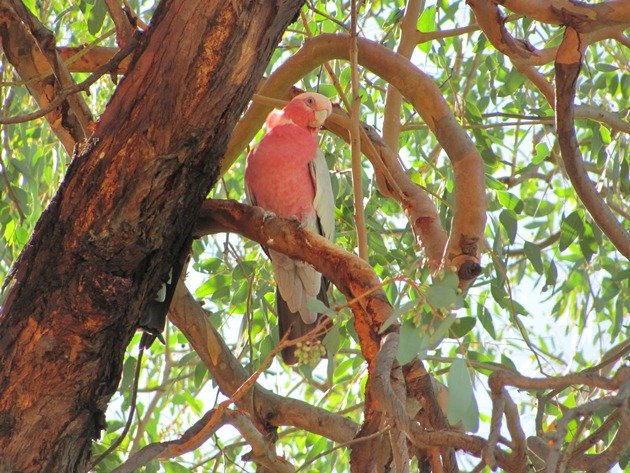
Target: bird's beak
320 118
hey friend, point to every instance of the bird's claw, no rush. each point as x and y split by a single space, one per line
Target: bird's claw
295 219
267 215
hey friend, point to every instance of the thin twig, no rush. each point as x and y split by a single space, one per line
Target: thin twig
104 69
342 445
45 41
132 411
355 138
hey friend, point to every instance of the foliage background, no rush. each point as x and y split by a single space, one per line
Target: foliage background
553 295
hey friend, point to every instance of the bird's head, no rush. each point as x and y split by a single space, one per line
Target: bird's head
309 110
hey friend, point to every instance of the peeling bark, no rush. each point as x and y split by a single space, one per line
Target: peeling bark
22 52
122 215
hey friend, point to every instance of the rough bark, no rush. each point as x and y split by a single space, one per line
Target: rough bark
21 50
122 215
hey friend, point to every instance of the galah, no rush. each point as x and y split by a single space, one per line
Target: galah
287 174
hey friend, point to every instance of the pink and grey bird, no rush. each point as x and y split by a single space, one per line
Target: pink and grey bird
287 174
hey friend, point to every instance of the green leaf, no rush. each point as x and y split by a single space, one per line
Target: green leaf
510 201
96 17
315 305
266 345
410 342
495 184
426 22
571 228
9 230
506 360
534 256
551 275
510 223
205 289
173 467
201 374
30 4
462 326
444 293
398 311
332 340
513 81
486 320
542 152
462 405
129 368
603 67
437 334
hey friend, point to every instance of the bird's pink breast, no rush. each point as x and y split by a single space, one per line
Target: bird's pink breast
278 174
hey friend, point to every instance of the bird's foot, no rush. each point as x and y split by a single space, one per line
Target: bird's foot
295 219
267 215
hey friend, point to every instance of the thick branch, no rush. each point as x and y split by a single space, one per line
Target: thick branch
122 216
352 276
192 320
124 29
45 41
21 51
580 15
568 64
470 204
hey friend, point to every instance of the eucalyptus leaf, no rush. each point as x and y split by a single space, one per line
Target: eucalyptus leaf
462 405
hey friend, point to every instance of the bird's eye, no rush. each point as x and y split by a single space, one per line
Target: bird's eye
310 101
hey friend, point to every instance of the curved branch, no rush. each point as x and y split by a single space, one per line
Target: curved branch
76 88
45 40
470 203
524 56
393 98
579 15
568 64
391 179
192 320
394 181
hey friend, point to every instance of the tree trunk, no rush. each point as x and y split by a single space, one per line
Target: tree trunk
124 212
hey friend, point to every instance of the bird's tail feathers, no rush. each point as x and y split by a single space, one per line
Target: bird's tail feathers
292 323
